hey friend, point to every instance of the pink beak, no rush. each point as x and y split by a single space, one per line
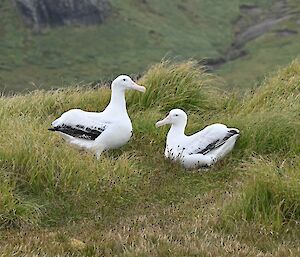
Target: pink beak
138 87
163 122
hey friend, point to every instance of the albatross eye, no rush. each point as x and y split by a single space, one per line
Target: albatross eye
124 79
176 115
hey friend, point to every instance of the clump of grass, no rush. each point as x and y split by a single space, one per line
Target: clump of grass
266 132
43 166
269 118
15 211
176 85
270 195
41 104
279 92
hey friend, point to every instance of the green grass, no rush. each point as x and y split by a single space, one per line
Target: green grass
134 37
56 200
167 84
271 194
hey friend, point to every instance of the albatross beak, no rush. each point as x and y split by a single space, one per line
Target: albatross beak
137 87
163 122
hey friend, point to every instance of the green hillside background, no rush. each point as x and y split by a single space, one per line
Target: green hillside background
140 33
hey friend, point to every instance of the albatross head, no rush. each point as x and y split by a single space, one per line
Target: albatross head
124 82
175 117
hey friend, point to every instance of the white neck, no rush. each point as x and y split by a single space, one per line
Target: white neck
117 104
174 139
176 131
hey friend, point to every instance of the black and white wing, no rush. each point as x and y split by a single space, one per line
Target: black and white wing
209 138
80 124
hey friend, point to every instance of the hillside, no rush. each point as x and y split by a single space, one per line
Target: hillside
243 39
57 201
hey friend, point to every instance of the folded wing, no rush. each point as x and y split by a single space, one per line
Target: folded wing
81 124
209 139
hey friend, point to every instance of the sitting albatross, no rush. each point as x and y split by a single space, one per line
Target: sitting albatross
203 148
97 132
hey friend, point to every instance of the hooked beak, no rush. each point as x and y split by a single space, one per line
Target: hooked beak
165 121
137 87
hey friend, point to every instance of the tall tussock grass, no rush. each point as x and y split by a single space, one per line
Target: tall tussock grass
15 211
269 117
170 85
269 123
271 194
45 180
280 92
267 132
41 104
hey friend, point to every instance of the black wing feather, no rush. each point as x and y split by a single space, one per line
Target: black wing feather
80 131
217 143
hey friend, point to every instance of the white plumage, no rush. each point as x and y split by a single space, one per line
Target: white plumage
97 132
200 149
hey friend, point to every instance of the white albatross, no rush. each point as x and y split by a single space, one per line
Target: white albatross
98 132
203 148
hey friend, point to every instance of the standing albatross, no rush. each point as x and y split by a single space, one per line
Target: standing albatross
97 132
203 148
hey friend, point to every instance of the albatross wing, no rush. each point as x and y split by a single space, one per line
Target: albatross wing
209 139
80 124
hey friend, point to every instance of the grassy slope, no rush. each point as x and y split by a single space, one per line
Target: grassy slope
135 203
135 36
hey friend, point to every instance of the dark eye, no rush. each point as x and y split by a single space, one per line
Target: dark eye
124 79
176 115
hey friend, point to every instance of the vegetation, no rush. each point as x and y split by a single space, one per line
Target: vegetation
55 200
138 34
